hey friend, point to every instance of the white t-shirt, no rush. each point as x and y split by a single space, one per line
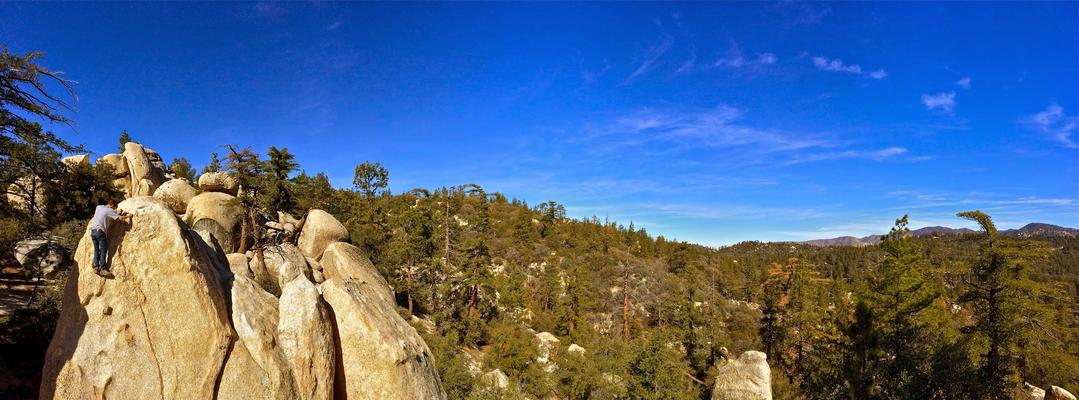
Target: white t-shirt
103 217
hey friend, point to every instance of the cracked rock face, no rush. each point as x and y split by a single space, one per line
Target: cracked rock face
180 319
745 378
369 366
158 329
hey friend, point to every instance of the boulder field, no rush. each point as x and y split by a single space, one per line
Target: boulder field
181 319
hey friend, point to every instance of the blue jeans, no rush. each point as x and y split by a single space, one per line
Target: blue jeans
101 249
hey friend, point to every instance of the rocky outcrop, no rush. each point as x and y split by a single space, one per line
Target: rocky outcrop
217 214
257 367
546 342
44 256
144 176
305 331
239 265
496 378
285 262
222 182
76 160
344 261
120 172
745 378
574 348
182 320
1058 393
158 329
176 193
18 194
320 229
370 367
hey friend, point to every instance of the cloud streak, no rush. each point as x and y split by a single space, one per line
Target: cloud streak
873 155
651 59
943 102
717 127
1056 124
837 65
963 82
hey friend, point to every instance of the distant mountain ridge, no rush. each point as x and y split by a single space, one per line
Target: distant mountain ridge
1028 230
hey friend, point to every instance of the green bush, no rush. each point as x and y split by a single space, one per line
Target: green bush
12 230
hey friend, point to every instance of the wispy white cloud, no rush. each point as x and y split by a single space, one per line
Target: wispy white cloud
592 76
837 65
690 64
944 101
796 13
265 9
739 61
963 82
874 155
733 59
650 59
718 127
334 26
1057 124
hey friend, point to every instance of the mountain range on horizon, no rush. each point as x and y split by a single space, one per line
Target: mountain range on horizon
1029 230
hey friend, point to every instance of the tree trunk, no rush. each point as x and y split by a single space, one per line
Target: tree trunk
446 238
625 303
408 278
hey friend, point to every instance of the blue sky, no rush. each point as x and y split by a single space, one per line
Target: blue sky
712 123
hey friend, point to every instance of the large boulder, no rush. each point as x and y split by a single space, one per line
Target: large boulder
546 342
319 230
76 160
344 261
496 378
156 160
257 367
45 256
120 172
218 214
117 162
380 355
145 177
285 262
305 331
239 265
158 329
176 193
219 182
18 194
745 378
1058 393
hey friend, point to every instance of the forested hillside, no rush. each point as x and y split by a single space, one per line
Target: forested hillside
970 316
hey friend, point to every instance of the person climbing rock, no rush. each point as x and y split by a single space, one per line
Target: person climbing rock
103 217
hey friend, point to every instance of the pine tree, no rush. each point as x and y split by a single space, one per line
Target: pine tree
23 92
182 169
864 352
368 225
411 248
901 294
280 165
245 165
214 165
992 293
124 138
